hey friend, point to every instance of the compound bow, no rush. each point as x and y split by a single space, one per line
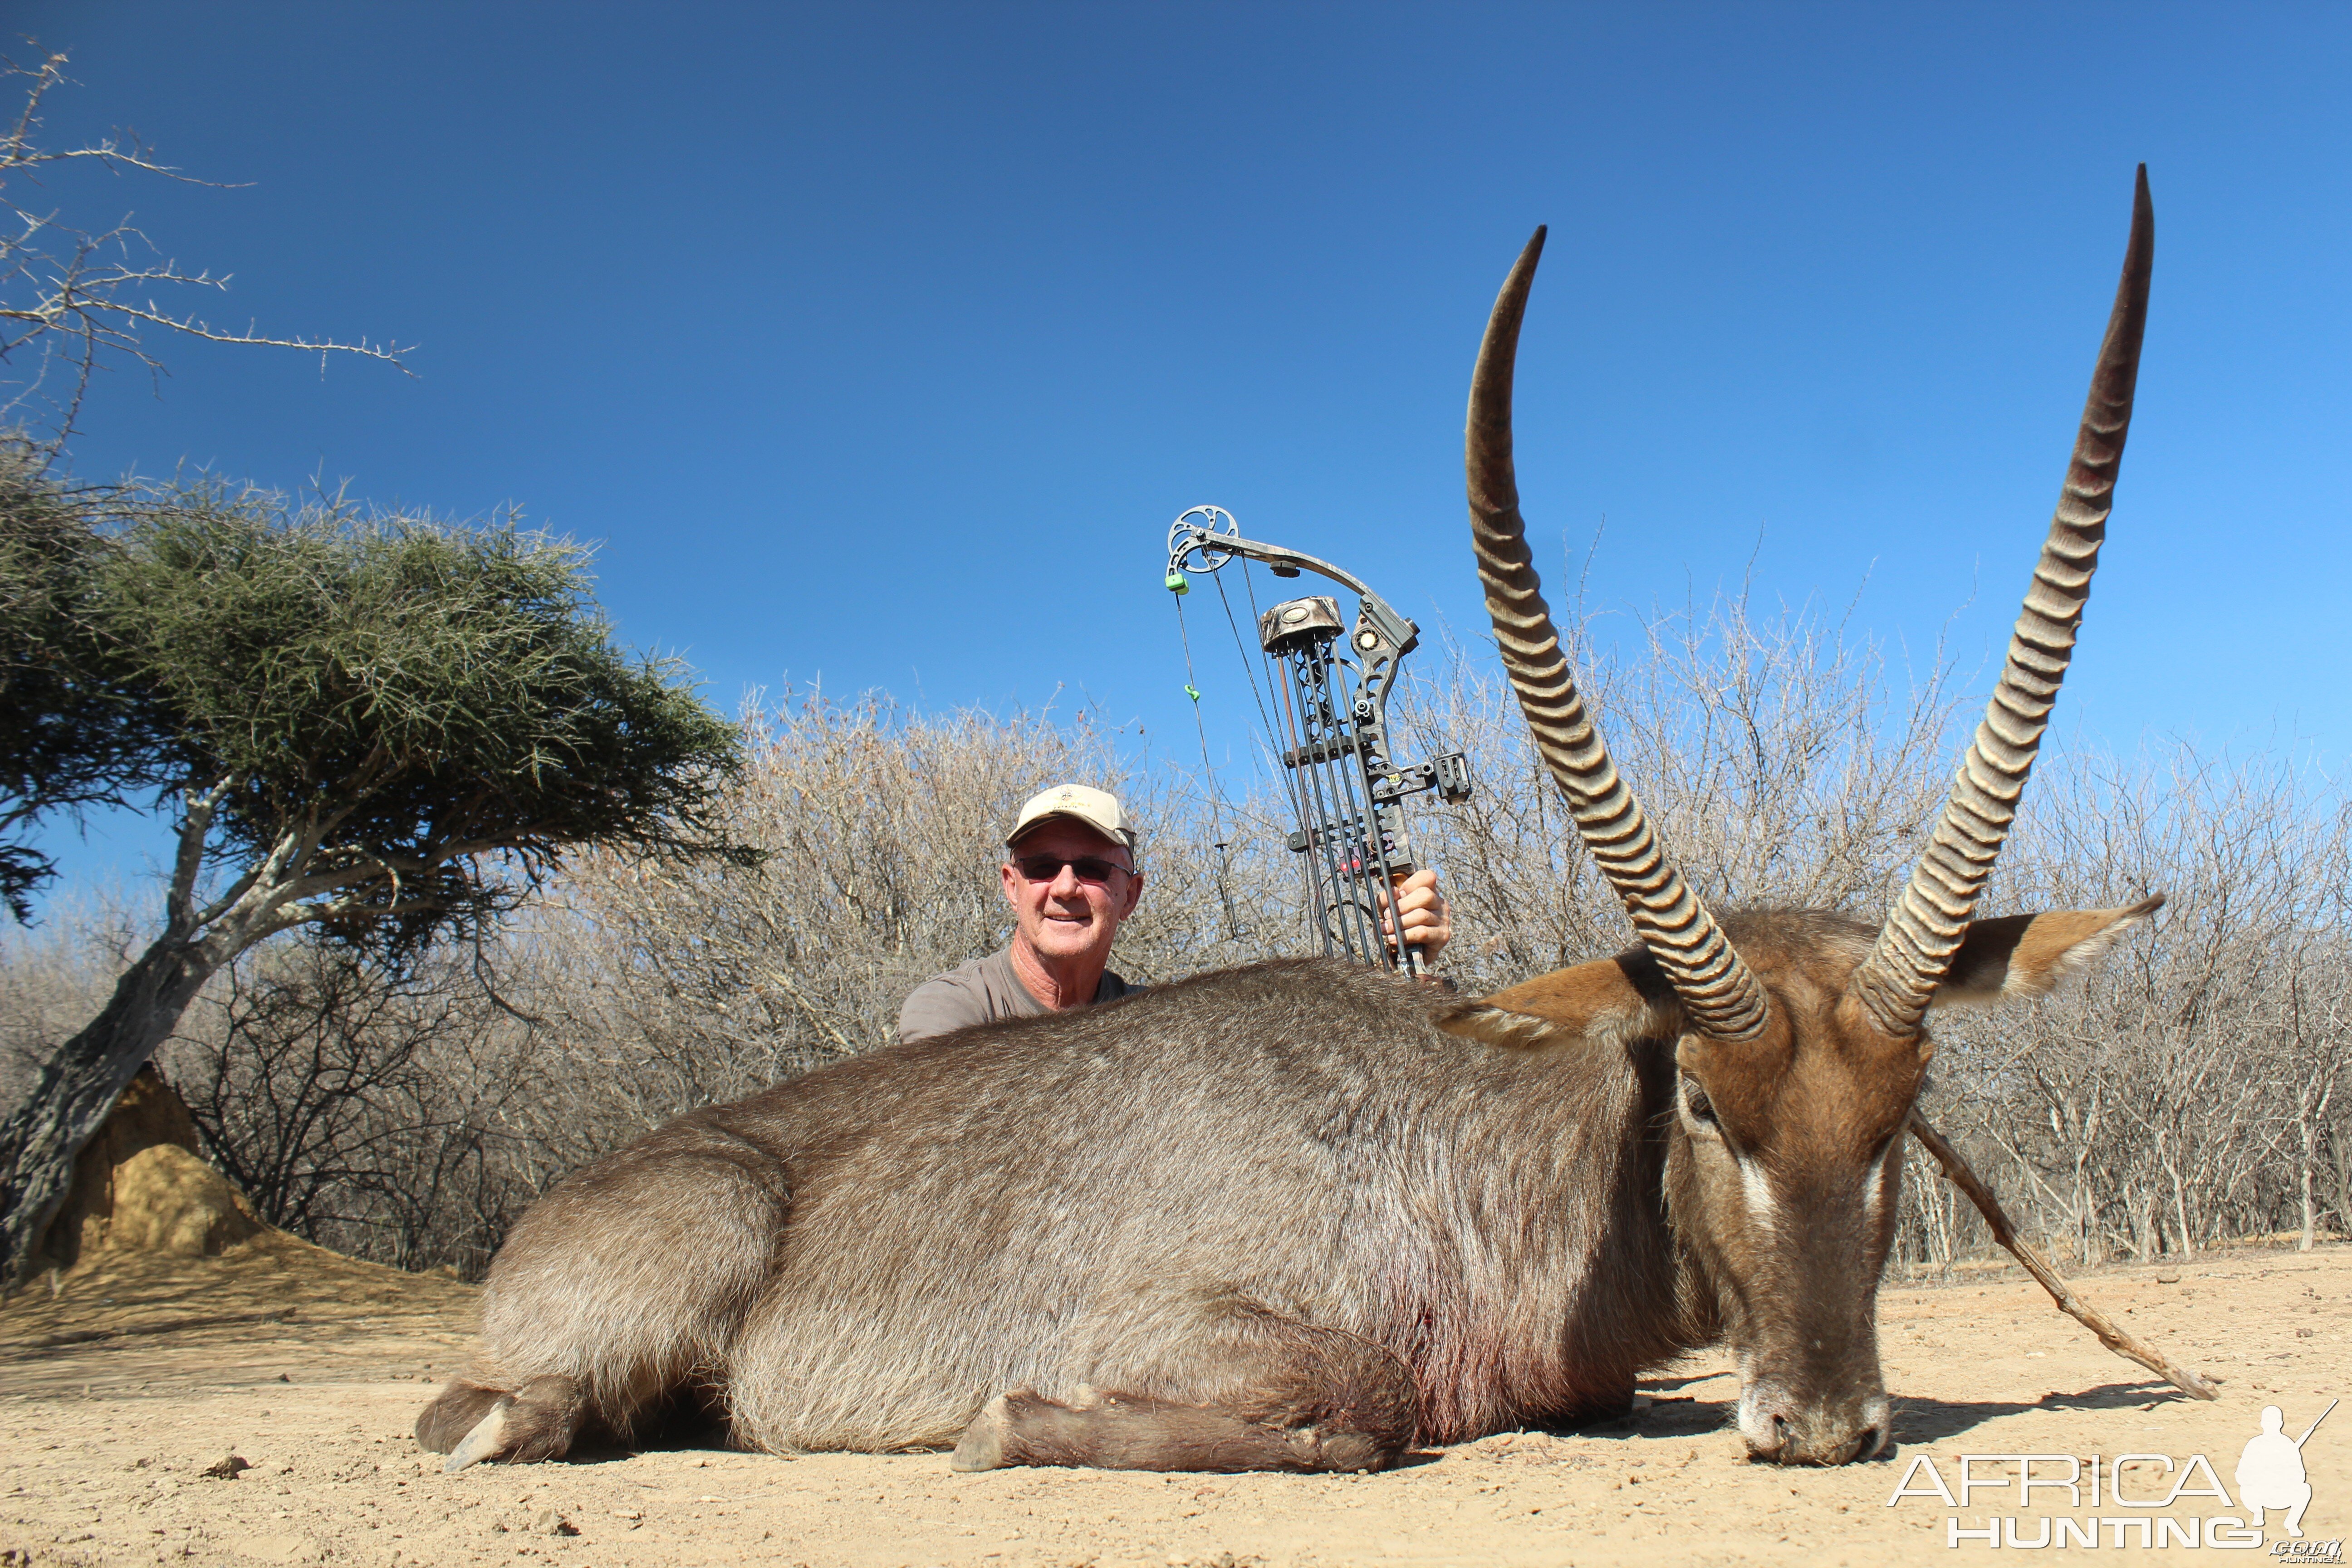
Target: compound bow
1329 728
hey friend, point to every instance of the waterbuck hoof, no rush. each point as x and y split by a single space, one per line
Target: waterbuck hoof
487 1440
981 1446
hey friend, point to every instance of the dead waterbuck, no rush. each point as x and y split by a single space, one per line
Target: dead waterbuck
1300 1215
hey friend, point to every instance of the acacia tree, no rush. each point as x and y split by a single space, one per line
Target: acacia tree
383 728
73 300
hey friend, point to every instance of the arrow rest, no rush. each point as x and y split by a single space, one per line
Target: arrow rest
1327 724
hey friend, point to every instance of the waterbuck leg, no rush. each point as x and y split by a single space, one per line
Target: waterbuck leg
1111 1432
455 1411
536 1422
1308 1399
590 1321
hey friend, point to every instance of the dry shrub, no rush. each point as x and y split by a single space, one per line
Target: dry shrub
883 834
363 1108
1786 764
2186 1094
54 977
2187 1091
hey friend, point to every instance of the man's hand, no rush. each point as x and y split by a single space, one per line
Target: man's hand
1427 924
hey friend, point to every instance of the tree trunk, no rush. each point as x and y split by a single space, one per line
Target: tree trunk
2180 1209
2310 1159
2338 1146
67 1100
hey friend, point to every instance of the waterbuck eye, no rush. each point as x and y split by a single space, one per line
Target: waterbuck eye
1696 1101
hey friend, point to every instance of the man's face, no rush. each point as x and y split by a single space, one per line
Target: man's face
1070 916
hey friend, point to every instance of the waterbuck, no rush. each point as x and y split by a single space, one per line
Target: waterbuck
1300 1216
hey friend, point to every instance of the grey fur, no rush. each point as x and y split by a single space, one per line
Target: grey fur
1114 1198
1296 1215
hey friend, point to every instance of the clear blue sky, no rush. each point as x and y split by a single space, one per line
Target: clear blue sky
881 343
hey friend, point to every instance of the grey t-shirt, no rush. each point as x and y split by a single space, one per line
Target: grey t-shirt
981 992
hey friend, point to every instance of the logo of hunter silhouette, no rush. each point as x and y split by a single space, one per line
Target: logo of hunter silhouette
2271 1478
2271 1473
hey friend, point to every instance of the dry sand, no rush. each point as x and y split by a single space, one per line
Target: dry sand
104 1442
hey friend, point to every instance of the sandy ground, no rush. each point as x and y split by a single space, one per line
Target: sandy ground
105 1436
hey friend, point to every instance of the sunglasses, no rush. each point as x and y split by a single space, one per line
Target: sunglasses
1088 868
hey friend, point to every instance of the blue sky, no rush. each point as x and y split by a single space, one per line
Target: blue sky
881 343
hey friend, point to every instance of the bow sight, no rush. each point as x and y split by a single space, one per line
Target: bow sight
1329 728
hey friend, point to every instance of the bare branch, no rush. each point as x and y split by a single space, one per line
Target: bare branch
75 299
1963 1176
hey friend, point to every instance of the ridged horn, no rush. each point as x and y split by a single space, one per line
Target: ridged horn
1724 999
1899 978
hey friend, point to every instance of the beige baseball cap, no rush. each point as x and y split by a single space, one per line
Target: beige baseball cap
1098 809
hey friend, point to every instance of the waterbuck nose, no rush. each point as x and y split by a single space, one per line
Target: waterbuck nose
1782 1430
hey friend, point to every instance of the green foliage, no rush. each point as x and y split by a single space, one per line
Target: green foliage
404 723
410 697
72 736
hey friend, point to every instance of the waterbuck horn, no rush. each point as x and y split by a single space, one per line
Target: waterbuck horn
1899 978
1723 998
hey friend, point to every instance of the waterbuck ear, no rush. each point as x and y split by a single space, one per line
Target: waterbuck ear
1593 1002
2027 955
